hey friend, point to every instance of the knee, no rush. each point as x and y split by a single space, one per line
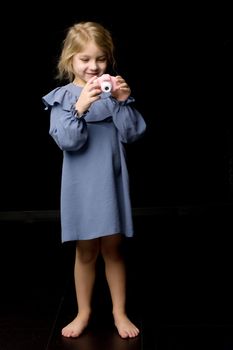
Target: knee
87 256
111 253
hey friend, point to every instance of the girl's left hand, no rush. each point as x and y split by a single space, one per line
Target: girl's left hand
122 91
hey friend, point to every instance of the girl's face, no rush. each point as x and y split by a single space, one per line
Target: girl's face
88 63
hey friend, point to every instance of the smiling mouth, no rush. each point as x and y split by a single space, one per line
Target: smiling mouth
92 74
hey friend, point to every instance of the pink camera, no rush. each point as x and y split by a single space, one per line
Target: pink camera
107 83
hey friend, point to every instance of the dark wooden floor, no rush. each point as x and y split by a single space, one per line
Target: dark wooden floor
180 290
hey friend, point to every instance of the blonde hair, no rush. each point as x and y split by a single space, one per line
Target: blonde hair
76 39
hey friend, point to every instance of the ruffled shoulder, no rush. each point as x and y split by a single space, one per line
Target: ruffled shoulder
62 96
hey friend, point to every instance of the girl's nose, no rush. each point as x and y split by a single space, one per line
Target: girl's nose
93 65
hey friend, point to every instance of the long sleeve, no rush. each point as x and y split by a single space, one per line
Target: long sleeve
127 119
68 131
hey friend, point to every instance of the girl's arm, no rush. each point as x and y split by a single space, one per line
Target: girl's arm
68 131
127 119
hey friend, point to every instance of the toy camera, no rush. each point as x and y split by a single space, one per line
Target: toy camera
107 83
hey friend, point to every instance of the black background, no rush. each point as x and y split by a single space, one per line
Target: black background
178 62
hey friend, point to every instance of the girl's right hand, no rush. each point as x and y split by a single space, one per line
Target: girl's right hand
90 93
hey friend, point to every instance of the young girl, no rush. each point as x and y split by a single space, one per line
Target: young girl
91 127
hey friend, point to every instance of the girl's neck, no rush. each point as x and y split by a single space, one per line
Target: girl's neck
79 82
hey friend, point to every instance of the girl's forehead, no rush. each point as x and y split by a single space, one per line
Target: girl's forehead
91 48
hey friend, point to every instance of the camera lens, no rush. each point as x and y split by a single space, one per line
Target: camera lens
106 86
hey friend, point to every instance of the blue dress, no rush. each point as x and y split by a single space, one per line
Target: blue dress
95 198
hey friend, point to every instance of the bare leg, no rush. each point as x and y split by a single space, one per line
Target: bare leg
116 278
84 274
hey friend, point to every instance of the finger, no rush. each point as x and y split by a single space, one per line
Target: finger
96 92
94 98
92 79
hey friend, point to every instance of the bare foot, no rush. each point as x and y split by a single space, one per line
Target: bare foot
125 327
76 327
